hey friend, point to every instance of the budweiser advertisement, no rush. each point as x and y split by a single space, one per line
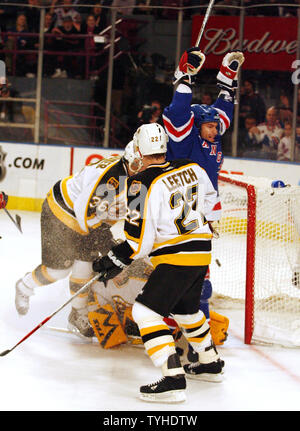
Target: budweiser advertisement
269 43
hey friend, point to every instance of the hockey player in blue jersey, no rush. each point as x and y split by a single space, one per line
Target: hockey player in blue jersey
195 131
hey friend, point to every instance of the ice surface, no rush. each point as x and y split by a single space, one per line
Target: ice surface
53 371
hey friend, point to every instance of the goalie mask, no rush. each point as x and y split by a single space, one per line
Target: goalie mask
150 139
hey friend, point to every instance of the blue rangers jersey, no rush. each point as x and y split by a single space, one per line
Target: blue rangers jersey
184 139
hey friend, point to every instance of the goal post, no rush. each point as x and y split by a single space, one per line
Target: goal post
259 251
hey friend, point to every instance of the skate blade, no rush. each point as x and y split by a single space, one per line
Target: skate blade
206 377
166 397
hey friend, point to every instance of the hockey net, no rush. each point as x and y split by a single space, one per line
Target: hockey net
256 259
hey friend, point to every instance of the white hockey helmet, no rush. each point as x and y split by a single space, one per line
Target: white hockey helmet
150 139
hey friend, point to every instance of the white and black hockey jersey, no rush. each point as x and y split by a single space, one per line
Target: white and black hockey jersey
168 206
93 195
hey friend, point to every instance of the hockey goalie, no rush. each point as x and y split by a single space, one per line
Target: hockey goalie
110 308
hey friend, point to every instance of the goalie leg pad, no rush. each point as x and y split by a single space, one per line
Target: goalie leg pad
218 328
107 327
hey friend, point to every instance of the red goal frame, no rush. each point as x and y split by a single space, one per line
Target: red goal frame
250 254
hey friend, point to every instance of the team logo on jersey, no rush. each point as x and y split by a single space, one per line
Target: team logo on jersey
135 187
112 183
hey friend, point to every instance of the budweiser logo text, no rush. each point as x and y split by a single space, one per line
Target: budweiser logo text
221 41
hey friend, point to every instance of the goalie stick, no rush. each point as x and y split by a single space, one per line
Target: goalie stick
88 284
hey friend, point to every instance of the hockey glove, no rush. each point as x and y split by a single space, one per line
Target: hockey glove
3 200
109 267
190 64
226 78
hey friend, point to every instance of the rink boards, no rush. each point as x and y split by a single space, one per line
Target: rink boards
28 171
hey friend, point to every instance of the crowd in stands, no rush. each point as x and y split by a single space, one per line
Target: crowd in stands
266 132
264 128
72 28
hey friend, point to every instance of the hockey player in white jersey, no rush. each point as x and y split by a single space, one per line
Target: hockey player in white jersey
75 226
169 205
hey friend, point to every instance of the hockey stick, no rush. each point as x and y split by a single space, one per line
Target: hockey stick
88 284
16 222
207 14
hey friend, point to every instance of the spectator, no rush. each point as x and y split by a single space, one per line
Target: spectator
150 113
247 141
285 109
268 134
71 66
90 25
65 10
251 102
100 15
25 63
49 23
285 143
78 24
90 28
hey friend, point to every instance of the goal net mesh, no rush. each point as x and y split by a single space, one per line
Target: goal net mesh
273 300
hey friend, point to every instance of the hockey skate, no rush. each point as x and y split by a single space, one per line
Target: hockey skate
22 296
171 387
212 372
79 324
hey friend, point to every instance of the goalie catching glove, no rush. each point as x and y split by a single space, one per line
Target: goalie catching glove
227 76
109 266
190 64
